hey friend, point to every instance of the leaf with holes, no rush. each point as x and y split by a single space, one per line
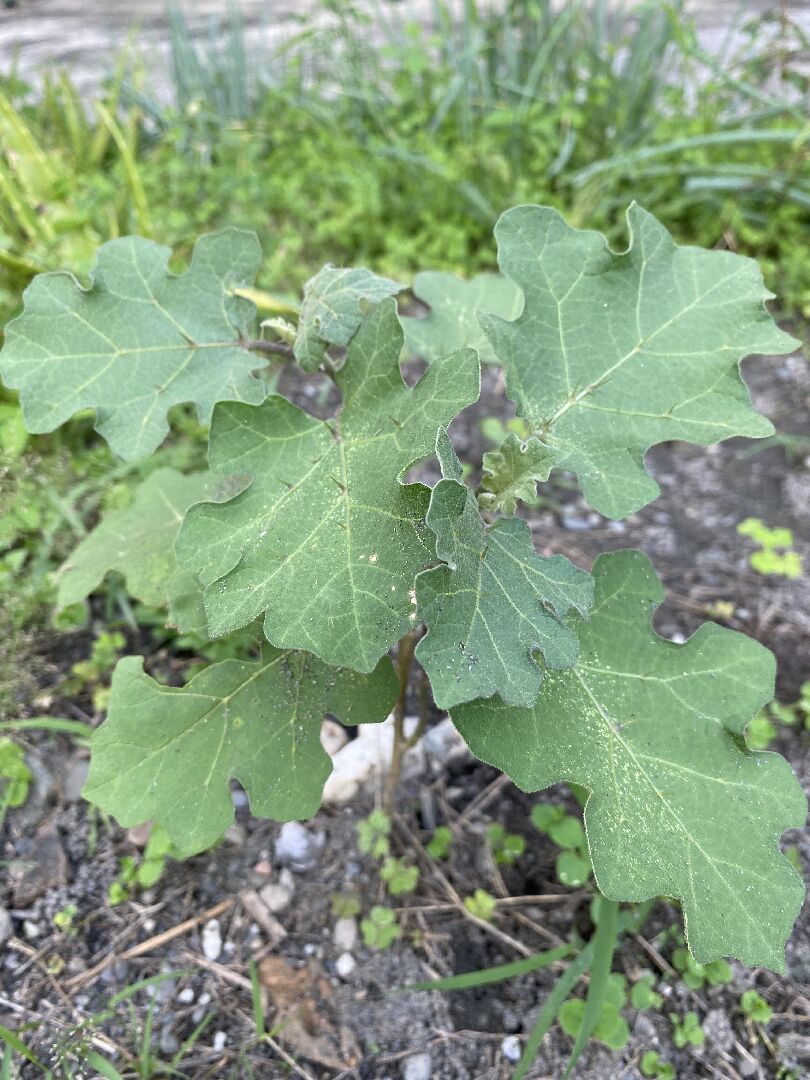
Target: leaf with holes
138 540
494 606
616 352
167 754
138 341
327 539
653 730
335 301
512 473
452 322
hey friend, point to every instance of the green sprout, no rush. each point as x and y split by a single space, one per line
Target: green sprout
380 928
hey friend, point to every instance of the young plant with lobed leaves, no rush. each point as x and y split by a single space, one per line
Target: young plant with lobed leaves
310 531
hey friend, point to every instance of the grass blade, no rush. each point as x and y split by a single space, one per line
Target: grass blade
512 970
545 1018
17 1044
102 1066
604 946
130 168
49 723
256 997
718 138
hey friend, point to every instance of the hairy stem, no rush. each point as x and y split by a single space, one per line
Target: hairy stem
401 742
272 348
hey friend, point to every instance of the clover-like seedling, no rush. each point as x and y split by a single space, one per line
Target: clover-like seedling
373 834
687 1030
506 847
754 1006
573 864
695 975
438 847
481 904
15 776
611 1027
380 928
775 554
399 876
652 1065
311 553
643 995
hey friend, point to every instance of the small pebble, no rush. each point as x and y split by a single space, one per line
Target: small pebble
75 779
199 1013
186 996
211 940
235 834
31 930
511 1048
345 934
417 1067
220 1038
345 965
6 925
277 895
169 1043
296 847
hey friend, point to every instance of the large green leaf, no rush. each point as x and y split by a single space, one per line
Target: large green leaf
493 606
616 352
334 303
653 730
452 322
138 540
167 753
327 540
138 341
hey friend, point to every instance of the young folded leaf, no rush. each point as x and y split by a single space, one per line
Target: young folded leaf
616 352
512 473
327 540
138 540
167 753
138 341
678 806
452 322
334 303
493 606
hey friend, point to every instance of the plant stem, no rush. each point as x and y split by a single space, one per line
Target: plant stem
274 348
401 742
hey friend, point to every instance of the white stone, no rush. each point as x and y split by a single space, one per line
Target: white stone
333 737
443 742
417 1067
367 758
275 896
345 965
211 940
511 1048
186 996
297 847
345 934
220 1038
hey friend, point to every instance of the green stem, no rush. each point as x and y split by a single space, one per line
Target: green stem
401 742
